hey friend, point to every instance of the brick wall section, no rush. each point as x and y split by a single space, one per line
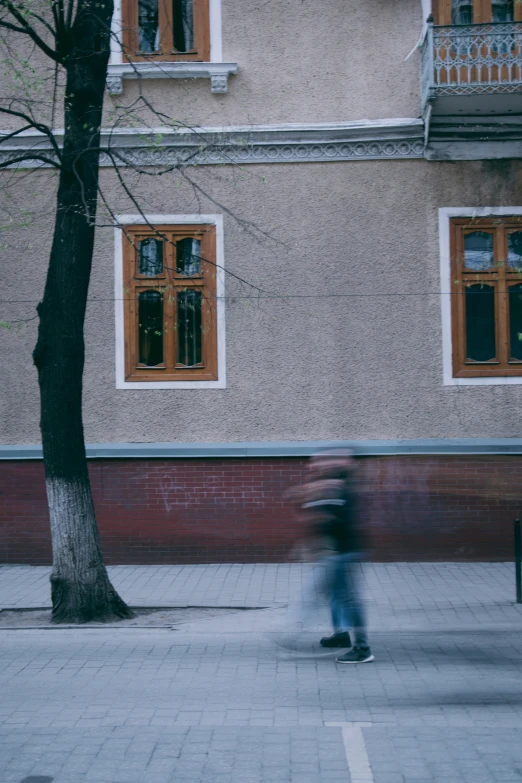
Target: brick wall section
233 510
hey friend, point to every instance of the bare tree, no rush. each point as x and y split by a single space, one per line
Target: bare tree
70 42
75 36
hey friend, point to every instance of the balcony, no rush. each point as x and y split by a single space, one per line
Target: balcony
471 88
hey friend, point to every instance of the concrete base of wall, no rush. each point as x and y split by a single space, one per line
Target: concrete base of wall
233 510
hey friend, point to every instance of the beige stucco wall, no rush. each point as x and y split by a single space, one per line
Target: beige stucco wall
367 365
302 61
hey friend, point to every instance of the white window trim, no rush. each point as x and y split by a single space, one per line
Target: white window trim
215 70
216 36
175 220
445 214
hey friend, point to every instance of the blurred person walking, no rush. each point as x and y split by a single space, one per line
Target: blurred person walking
330 502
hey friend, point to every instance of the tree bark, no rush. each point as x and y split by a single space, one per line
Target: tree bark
80 587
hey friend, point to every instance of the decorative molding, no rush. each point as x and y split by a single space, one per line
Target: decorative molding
218 82
400 139
253 449
114 85
218 73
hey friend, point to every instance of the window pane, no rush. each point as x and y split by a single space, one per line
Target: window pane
189 328
150 257
515 320
502 10
188 257
515 250
478 250
183 25
150 328
480 322
148 26
462 12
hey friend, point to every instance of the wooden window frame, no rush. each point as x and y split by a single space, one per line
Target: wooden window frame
501 277
167 53
481 11
170 282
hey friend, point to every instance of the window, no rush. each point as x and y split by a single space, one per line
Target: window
169 293
166 30
486 301
468 12
462 12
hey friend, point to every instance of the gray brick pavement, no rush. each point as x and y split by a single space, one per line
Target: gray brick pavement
214 700
398 594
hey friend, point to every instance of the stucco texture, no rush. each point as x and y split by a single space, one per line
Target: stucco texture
347 345
300 61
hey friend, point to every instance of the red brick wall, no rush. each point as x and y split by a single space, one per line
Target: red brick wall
232 510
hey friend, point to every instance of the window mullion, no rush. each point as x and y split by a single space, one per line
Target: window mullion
482 11
457 296
502 295
169 305
442 11
165 20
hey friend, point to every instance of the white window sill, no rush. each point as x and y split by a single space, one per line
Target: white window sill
218 73
491 381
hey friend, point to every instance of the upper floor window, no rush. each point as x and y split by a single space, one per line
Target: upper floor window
467 12
502 10
486 288
169 288
462 12
166 30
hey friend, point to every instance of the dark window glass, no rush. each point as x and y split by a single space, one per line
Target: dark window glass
189 328
150 257
188 257
183 25
462 12
150 328
148 26
480 322
502 10
515 320
478 251
515 250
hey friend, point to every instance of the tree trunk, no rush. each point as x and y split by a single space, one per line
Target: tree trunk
80 587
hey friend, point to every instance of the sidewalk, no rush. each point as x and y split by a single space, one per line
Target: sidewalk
398 595
215 701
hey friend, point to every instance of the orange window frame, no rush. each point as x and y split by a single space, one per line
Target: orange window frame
501 278
481 11
166 52
169 283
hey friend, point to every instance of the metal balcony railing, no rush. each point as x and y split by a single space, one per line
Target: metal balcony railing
471 59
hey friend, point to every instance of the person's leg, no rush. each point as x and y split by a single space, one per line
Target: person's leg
337 588
340 619
354 608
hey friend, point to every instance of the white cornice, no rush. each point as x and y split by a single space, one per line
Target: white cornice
283 143
218 73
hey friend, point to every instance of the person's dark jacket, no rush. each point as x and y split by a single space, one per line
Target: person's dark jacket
336 503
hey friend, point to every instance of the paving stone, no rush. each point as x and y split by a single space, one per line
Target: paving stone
216 702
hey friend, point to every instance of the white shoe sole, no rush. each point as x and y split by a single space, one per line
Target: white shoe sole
369 659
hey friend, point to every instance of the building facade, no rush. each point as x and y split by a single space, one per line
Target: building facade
331 255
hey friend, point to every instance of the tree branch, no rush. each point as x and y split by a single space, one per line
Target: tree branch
28 30
28 157
14 133
37 126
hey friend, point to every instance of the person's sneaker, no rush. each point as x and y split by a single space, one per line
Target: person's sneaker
357 655
341 639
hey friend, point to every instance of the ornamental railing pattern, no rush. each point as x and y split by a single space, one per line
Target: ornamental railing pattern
474 59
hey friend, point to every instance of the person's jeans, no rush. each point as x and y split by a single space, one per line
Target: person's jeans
346 606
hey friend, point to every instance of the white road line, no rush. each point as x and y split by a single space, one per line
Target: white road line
355 750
